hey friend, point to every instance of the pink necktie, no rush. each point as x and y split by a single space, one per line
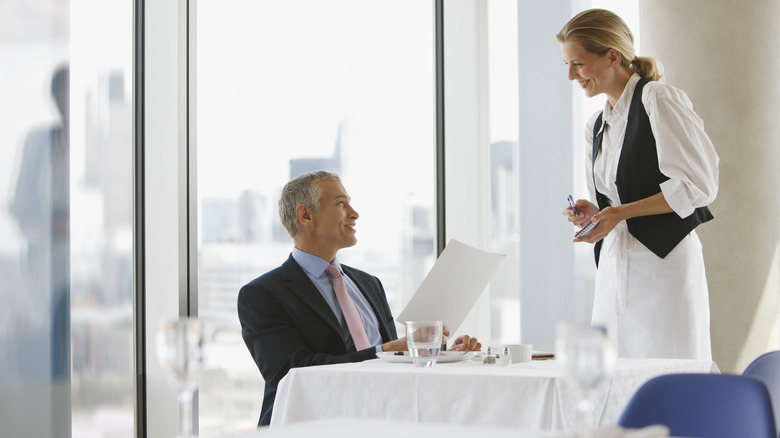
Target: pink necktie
348 308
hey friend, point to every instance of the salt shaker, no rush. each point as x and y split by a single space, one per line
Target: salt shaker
505 358
489 359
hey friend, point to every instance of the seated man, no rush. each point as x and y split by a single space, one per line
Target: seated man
292 316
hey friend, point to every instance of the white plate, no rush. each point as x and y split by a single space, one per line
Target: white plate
444 356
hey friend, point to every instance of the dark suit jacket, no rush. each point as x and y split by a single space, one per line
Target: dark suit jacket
286 323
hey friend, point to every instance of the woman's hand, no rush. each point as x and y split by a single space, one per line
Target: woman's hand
609 217
607 220
586 210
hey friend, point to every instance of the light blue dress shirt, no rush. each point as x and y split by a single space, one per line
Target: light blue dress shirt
314 267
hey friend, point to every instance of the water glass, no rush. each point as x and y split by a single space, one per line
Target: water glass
424 341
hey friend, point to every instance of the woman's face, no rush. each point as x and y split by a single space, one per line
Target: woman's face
594 73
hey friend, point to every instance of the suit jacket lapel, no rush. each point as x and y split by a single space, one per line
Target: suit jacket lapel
299 284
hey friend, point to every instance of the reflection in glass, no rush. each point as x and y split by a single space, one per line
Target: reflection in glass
39 206
66 367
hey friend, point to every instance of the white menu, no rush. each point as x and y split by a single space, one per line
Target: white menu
453 285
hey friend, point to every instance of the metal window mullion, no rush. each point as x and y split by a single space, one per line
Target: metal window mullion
139 301
441 234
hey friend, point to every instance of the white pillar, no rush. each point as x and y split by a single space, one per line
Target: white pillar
723 54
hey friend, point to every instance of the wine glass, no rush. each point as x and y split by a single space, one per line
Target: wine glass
587 357
180 353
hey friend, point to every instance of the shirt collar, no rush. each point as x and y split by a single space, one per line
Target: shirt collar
620 111
312 264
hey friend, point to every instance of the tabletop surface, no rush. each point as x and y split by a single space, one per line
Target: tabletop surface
530 395
361 428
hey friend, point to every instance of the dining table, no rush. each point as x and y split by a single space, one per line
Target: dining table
362 428
531 396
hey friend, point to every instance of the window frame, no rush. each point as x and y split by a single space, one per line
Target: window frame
166 141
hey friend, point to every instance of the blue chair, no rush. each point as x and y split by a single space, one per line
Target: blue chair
767 369
703 405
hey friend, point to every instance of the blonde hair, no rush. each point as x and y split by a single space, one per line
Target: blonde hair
598 30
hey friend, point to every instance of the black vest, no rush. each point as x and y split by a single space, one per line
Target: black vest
639 177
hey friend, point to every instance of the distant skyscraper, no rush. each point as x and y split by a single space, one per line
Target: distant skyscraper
299 166
219 220
254 220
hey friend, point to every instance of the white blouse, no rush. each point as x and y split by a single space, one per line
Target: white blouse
685 153
656 307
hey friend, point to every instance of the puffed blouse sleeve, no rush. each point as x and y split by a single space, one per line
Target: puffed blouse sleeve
685 153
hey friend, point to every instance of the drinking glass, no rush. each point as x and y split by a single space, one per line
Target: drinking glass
424 341
180 353
587 357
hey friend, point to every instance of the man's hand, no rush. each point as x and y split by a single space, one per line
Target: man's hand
465 343
462 343
397 345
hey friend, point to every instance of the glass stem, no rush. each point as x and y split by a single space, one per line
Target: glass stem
185 413
585 409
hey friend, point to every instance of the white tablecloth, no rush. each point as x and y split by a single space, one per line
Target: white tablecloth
528 396
359 428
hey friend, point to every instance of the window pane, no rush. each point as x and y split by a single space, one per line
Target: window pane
66 334
525 303
504 169
285 87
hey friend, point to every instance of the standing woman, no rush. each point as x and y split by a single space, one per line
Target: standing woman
652 171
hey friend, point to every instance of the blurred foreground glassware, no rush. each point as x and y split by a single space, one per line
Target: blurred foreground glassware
180 353
587 357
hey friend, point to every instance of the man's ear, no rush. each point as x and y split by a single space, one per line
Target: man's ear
304 214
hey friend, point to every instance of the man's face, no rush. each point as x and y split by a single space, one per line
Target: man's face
333 227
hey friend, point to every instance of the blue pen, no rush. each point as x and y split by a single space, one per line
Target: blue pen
571 202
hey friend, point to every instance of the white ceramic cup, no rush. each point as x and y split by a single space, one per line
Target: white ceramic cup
520 352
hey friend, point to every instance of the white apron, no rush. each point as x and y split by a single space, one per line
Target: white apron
654 307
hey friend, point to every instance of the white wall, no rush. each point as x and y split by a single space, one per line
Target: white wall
724 55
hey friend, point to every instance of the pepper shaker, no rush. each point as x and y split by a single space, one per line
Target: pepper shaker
489 359
505 358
